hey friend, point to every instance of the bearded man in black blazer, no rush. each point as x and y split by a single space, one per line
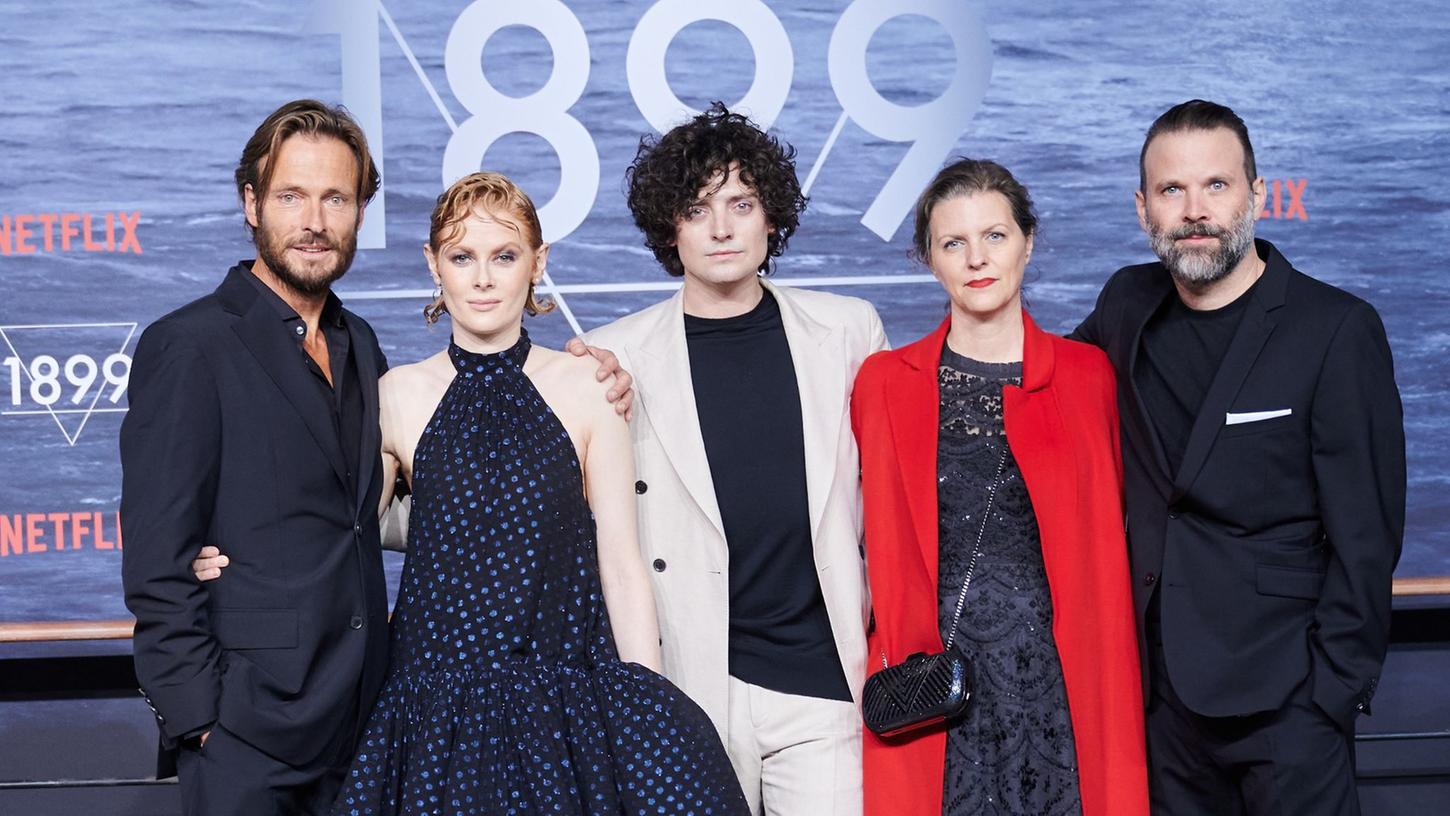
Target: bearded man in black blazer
1264 459
253 426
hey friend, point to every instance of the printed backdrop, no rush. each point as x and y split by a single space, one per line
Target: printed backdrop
120 126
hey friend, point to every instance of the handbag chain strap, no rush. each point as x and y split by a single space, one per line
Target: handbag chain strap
976 551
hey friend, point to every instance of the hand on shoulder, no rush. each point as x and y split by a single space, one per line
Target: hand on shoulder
570 376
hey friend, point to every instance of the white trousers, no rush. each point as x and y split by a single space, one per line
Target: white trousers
795 755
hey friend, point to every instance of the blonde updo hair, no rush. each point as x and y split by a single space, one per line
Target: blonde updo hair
492 193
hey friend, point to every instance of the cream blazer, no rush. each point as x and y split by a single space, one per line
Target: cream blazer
681 535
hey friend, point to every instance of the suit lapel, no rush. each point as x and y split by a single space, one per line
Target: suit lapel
1253 332
662 376
260 330
914 412
1145 435
818 355
365 365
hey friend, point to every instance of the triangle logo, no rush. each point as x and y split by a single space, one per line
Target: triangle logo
65 373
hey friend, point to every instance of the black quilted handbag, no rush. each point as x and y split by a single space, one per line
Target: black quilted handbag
922 690
926 689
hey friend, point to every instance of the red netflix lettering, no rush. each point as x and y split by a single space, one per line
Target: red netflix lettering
33 534
1274 203
12 538
33 544
29 233
90 246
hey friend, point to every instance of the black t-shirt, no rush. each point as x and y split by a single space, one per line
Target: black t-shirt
1181 351
750 417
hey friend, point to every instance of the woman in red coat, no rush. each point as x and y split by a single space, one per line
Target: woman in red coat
990 460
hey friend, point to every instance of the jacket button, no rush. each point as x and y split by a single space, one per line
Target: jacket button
356 622
640 487
1173 515
357 528
1149 579
659 565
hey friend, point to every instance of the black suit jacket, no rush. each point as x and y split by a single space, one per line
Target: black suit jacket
229 442
1274 544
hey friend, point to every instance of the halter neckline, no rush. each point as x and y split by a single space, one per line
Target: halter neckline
468 362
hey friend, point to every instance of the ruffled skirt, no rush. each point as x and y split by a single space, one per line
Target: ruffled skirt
535 737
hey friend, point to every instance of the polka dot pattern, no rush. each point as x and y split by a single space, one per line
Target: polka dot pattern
505 694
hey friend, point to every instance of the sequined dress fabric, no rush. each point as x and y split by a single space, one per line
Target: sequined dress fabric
1012 752
505 694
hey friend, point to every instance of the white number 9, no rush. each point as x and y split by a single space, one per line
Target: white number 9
932 128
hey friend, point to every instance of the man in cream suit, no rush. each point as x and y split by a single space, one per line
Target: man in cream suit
749 510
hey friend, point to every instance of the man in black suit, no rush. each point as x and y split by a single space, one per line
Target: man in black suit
253 425
1265 466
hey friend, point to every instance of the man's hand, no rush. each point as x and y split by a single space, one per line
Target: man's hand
207 566
622 392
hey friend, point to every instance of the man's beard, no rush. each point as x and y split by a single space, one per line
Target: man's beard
1197 269
272 249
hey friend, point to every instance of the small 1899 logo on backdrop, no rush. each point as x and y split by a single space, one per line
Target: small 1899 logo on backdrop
63 374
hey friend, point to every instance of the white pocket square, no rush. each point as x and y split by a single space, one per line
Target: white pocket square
1254 416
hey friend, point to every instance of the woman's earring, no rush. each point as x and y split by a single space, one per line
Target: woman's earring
437 292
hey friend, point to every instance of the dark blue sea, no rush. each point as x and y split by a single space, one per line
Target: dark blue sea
145 107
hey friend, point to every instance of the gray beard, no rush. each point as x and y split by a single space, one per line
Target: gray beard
1198 270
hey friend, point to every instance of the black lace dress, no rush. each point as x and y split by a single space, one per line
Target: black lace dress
1012 753
505 694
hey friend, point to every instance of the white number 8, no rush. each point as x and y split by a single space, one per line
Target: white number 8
544 113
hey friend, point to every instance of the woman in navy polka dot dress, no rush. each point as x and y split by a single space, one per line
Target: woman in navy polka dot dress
524 648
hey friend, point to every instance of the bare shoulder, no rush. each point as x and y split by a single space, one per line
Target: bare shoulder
409 394
565 374
426 375
567 384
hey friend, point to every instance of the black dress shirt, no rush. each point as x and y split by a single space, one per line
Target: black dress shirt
342 393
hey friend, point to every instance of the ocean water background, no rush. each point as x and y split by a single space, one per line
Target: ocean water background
145 107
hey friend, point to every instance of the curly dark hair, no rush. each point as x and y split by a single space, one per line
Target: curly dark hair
669 172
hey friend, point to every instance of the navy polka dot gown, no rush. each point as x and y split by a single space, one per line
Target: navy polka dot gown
505 694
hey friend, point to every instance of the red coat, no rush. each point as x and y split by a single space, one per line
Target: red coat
1062 428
